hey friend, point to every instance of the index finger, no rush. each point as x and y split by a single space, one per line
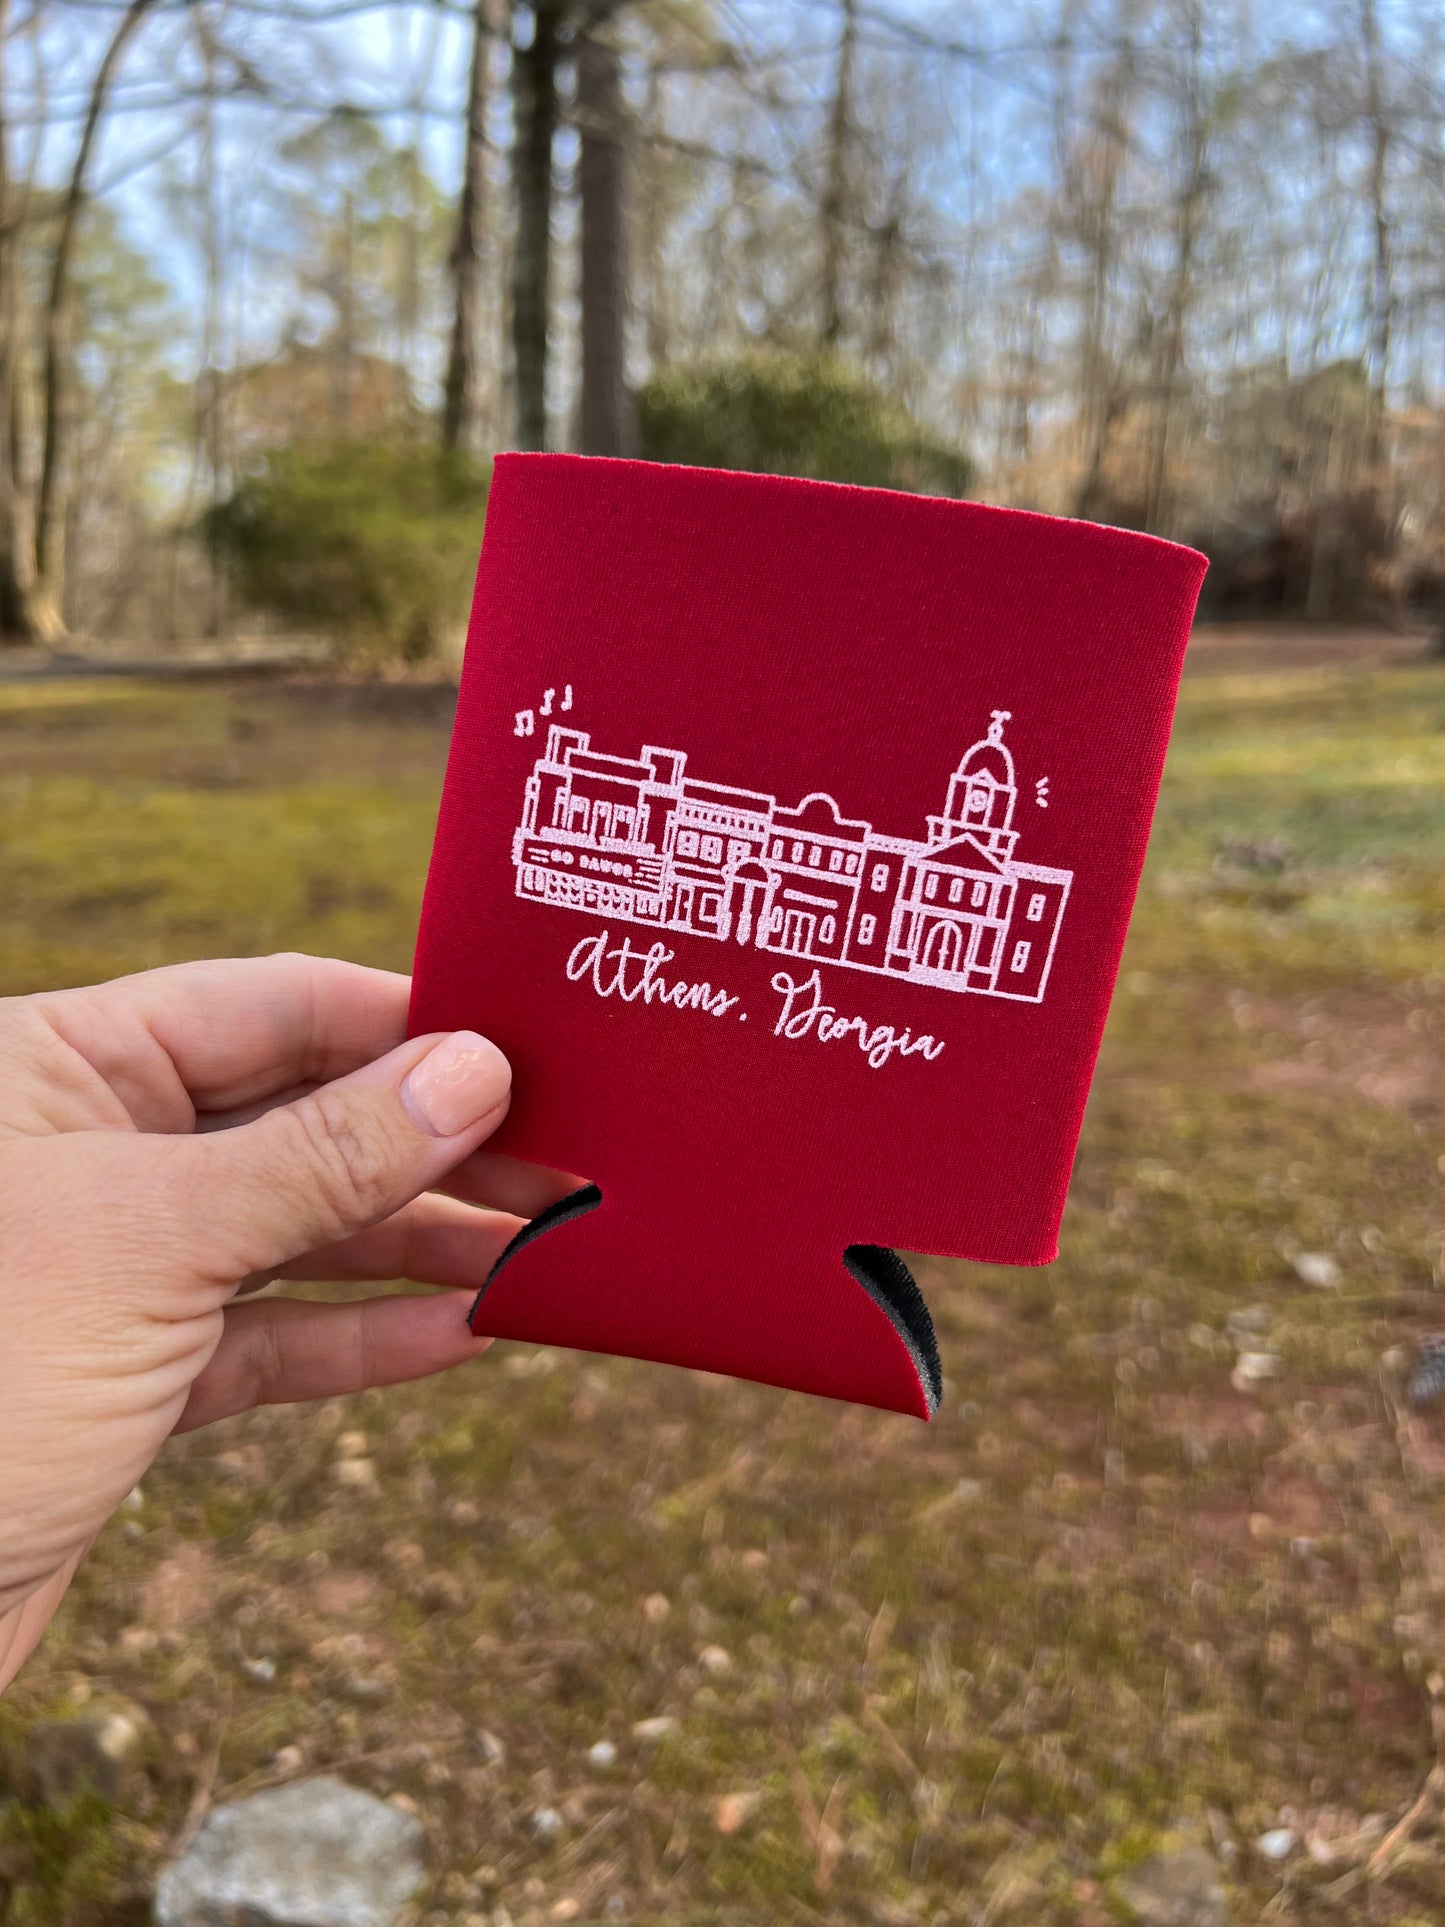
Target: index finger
225 1033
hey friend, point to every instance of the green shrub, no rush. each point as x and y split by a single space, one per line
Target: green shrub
370 542
780 414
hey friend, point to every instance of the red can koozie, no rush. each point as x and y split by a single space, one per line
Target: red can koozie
788 844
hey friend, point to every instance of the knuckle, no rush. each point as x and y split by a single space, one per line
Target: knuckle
266 1363
362 1350
350 1158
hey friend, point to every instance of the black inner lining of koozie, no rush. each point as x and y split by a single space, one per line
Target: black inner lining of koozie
880 1271
891 1286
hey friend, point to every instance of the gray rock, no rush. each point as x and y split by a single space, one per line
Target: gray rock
1253 1368
316 1854
547 1823
1277 1844
1319 1269
1427 1381
1179 1889
87 1754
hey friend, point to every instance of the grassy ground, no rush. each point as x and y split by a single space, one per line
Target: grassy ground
970 1673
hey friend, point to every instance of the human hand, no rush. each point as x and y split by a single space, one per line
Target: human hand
172 1140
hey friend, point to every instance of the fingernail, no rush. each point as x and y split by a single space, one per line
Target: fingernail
457 1083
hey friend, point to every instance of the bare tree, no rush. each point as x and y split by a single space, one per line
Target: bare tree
1091 167
208 452
1187 214
56 328
459 406
20 619
1379 131
605 425
535 60
834 205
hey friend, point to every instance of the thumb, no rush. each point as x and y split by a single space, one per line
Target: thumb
349 1153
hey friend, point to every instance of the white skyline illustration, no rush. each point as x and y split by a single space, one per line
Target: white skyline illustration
636 839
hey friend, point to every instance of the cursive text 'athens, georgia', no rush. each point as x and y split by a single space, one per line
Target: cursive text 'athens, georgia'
633 975
804 1014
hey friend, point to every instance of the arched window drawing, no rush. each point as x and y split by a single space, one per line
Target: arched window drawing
943 947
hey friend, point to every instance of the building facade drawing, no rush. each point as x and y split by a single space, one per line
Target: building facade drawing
637 839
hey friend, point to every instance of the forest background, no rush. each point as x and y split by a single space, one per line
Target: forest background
276 279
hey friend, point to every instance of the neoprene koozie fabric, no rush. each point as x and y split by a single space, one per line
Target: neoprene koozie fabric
789 839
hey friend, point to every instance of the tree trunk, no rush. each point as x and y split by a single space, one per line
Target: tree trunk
1382 302
1181 288
210 434
23 618
459 406
606 414
14 625
57 328
1096 217
534 92
652 210
835 188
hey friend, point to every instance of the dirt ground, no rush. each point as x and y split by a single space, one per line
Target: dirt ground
1125 1596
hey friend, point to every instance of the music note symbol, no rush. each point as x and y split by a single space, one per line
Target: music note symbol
547 702
567 697
526 723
